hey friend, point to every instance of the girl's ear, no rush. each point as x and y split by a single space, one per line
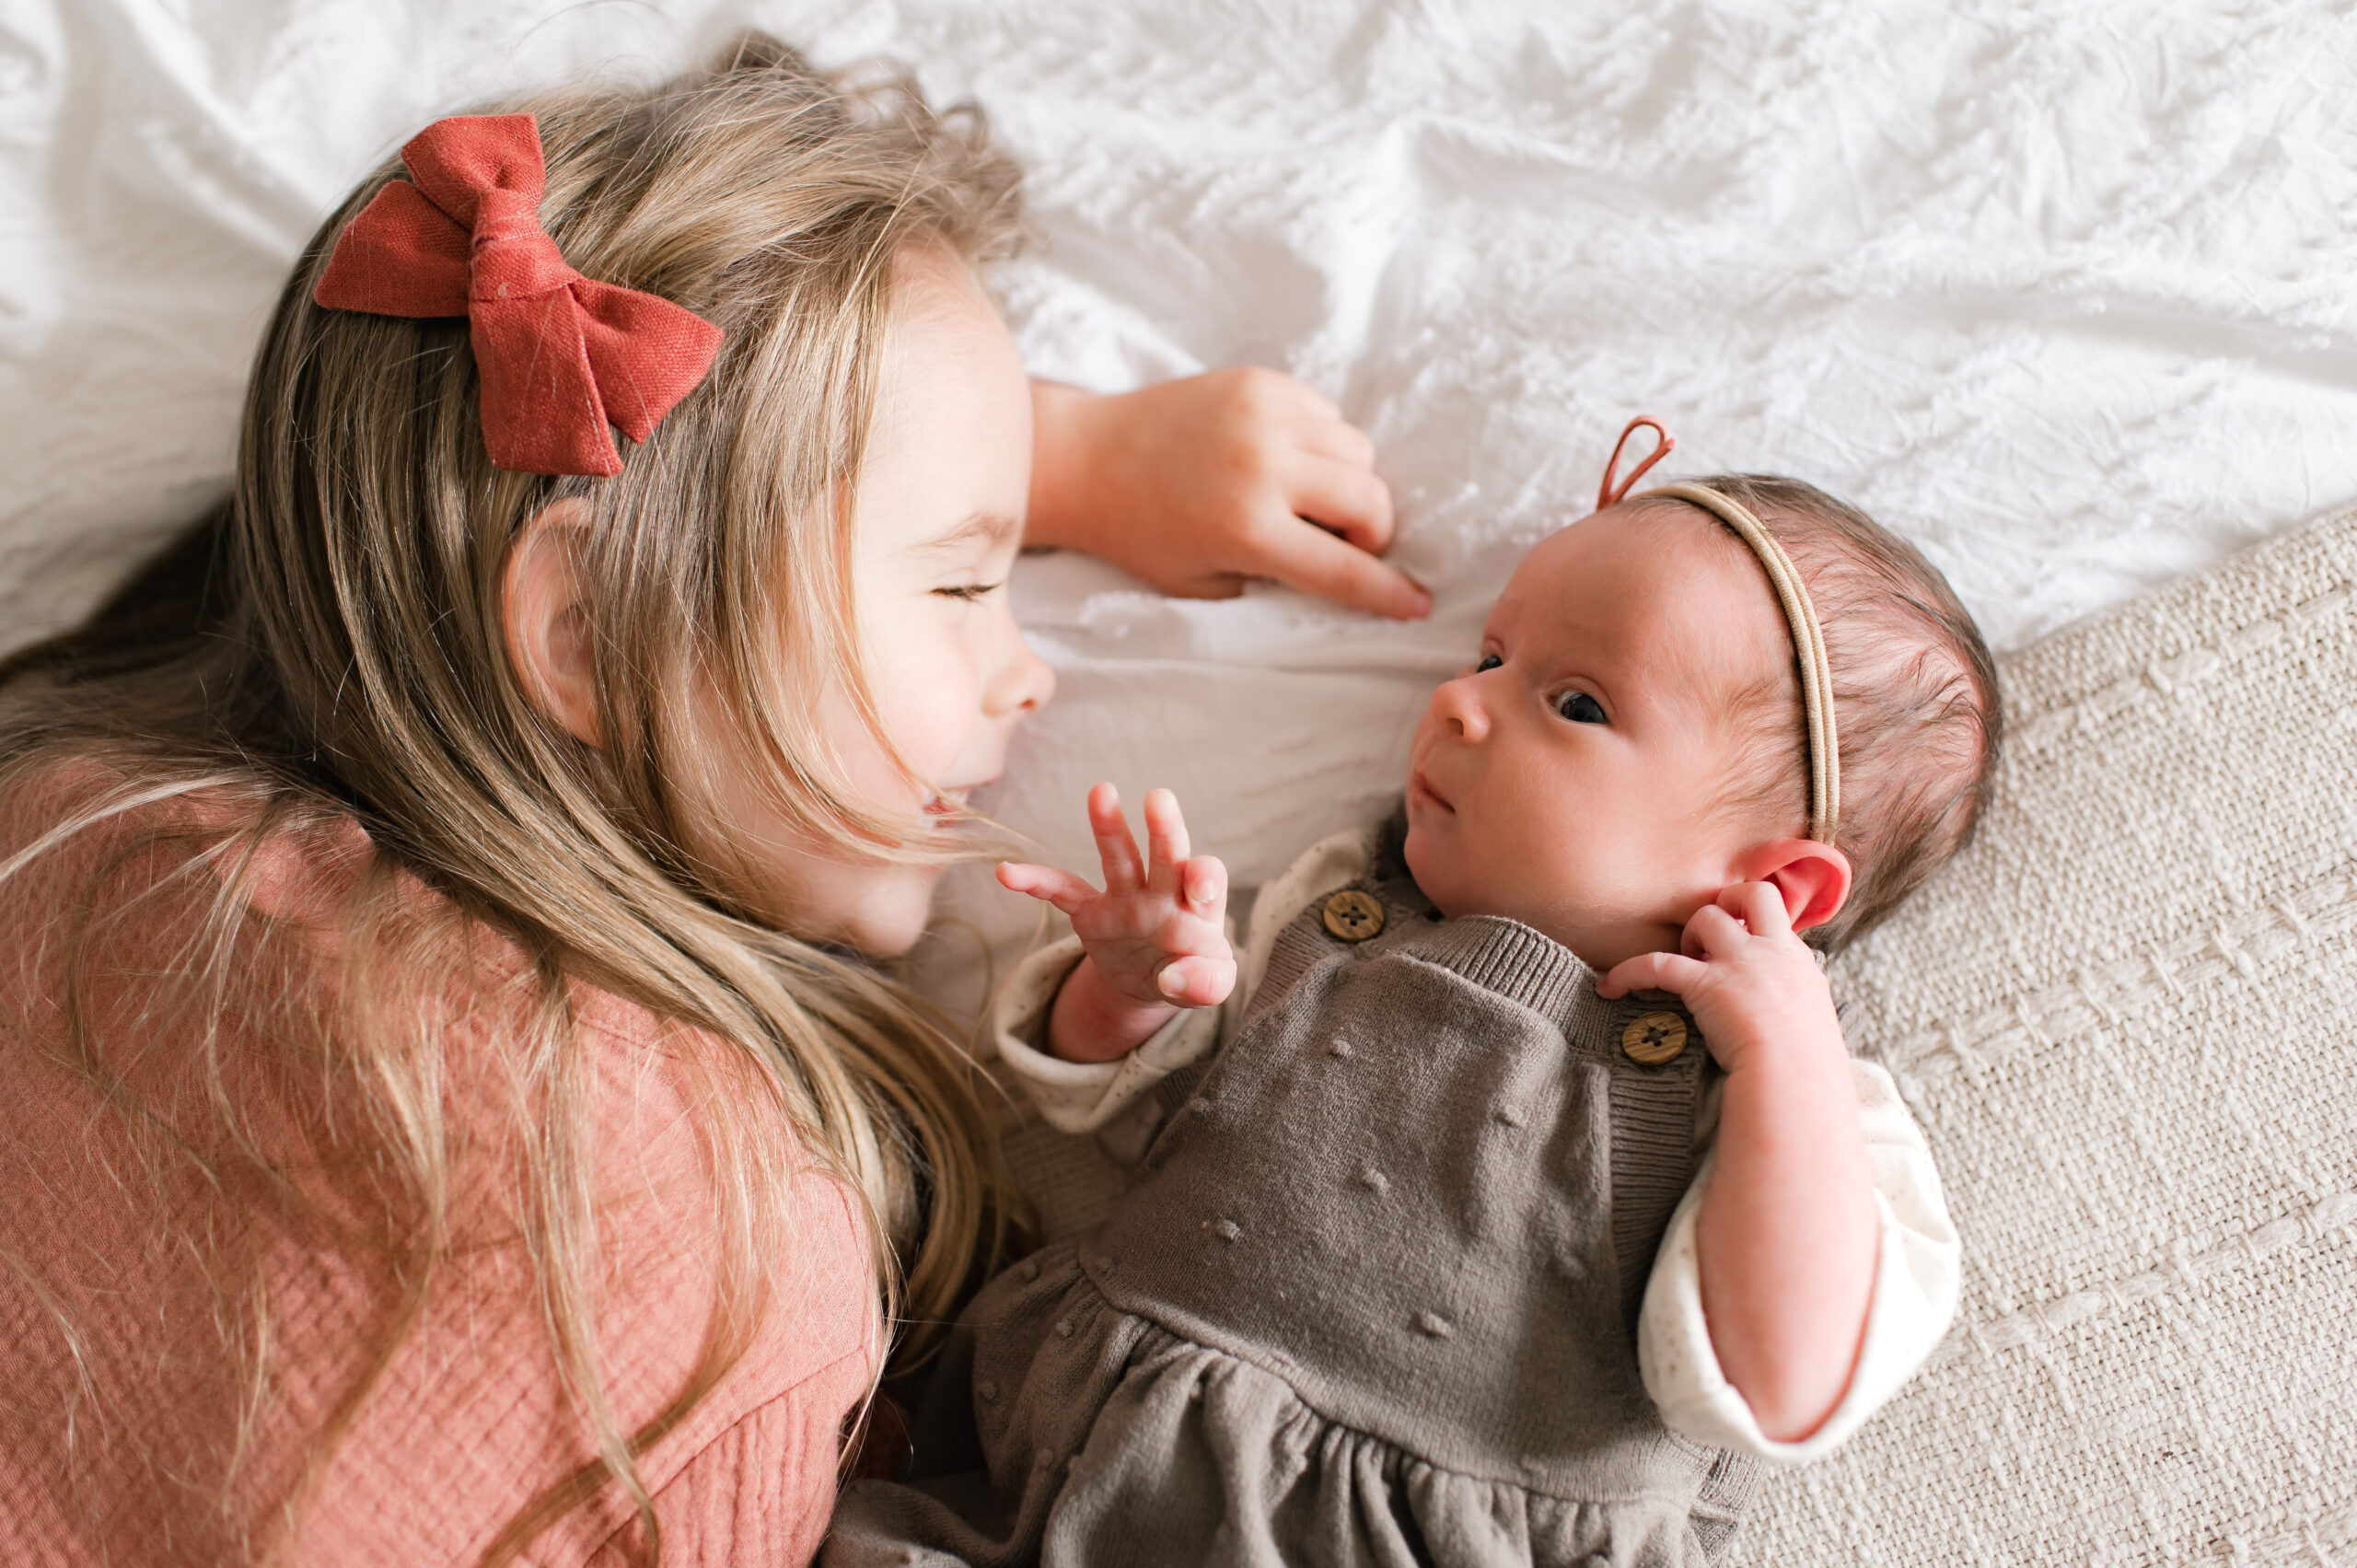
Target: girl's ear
545 616
1813 876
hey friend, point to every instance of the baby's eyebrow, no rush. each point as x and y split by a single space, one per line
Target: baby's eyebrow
994 529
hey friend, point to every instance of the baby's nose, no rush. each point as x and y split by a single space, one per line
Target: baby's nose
1457 707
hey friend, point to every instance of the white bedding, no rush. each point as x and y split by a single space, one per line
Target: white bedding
2064 293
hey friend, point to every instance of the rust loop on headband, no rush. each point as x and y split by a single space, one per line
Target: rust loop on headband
1609 493
562 357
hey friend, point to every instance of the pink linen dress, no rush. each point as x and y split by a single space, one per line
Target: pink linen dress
125 1432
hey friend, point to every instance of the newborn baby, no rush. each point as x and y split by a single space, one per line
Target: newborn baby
1522 1194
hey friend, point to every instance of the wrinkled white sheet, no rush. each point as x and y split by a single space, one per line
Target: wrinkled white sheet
2065 293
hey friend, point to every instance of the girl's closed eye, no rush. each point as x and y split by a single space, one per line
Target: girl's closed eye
1581 708
969 592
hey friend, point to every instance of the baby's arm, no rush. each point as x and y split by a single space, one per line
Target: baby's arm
1156 939
1787 1230
1196 486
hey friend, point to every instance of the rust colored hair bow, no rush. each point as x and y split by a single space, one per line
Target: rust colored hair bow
562 357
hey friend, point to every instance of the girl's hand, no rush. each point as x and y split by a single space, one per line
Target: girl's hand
1197 484
1752 985
1156 939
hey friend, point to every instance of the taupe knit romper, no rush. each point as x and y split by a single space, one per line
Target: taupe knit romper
1370 1298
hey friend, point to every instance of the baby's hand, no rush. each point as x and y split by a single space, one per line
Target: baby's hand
1154 937
1752 985
1197 484
1786 1236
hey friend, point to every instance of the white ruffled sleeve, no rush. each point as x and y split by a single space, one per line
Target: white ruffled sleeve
1082 1096
1916 1269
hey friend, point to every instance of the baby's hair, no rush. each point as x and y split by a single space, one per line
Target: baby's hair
1915 700
352 660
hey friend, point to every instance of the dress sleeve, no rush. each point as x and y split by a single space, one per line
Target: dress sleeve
1914 1296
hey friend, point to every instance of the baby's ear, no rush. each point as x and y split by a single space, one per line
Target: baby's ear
544 614
1814 878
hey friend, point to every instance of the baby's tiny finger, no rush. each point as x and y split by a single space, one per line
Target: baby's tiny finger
1206 884
1062 888
1166 839
1651 971
1714 931
1197 981
1761 906
1115 848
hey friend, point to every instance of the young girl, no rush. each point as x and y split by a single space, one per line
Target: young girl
453 1120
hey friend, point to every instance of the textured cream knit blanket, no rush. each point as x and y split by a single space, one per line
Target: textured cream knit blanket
2123 1018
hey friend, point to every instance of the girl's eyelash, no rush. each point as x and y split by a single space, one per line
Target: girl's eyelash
1487 661
970 591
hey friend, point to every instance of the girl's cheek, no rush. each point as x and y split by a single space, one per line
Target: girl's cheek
926 693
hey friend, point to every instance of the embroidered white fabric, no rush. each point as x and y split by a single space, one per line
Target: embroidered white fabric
2059 292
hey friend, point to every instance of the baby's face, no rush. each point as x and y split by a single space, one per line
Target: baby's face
1568 778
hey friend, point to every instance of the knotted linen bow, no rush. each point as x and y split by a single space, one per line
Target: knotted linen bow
561 356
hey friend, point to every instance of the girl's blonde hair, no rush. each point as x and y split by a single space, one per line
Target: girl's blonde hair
355 663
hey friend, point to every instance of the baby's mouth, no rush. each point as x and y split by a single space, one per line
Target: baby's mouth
1419 784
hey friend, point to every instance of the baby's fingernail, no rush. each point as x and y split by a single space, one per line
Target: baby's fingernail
1171 983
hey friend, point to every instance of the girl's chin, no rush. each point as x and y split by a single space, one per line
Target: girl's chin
899 907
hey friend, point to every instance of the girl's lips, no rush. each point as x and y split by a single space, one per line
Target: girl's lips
952 802
1419 786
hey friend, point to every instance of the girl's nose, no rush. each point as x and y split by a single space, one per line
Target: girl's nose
1022 680
1456 707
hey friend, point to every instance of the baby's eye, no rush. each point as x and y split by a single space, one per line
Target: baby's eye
968 591
1579 708
1489 661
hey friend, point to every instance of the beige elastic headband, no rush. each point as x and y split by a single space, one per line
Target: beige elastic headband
1800 616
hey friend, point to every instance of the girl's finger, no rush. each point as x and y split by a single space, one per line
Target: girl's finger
1166 841
1713 932
1062 888
1203 885
1273 397
1329 436
1345 497
1303 556
1115 848
1760 907
1672 973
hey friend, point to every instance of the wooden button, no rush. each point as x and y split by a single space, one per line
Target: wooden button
1352 915
1652 1038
